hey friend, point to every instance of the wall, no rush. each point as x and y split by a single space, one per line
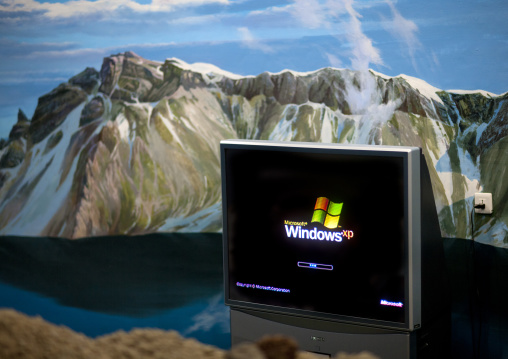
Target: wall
149 110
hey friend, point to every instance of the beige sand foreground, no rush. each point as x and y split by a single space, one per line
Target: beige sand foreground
24 337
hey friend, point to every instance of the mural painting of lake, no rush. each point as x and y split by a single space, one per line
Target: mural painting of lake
111 114
171 282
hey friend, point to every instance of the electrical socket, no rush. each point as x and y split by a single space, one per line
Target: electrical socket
483 198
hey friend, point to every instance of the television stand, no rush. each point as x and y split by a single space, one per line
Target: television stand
329 338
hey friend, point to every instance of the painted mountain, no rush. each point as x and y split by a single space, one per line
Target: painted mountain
134 148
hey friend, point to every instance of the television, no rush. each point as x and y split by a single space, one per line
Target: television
322 236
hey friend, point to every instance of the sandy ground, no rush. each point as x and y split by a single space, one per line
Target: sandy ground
24 337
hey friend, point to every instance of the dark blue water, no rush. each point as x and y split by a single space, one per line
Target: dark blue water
101 285
174 281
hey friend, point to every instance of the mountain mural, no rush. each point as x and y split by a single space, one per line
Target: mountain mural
134 148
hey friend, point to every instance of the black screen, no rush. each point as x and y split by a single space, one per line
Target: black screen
284 252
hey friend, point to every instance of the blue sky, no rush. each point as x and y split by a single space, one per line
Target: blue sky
448 43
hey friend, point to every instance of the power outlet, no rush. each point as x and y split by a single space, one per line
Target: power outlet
483 198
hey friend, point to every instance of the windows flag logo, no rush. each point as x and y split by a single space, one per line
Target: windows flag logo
327 212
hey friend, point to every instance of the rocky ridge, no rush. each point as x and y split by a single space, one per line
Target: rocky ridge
134 148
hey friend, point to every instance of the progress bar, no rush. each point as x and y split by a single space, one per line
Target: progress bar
315 266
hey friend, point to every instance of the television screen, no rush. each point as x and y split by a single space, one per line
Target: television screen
319 230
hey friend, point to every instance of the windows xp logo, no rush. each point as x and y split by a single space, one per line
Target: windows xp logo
327 212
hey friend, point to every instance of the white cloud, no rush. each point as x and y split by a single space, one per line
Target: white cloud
66 53
84 7
404 30
335 15
310 13
364 52
196 20
334 60
342 16
251 42
271 10
74 58
435 59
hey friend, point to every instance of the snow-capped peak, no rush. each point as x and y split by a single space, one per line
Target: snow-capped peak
204 68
